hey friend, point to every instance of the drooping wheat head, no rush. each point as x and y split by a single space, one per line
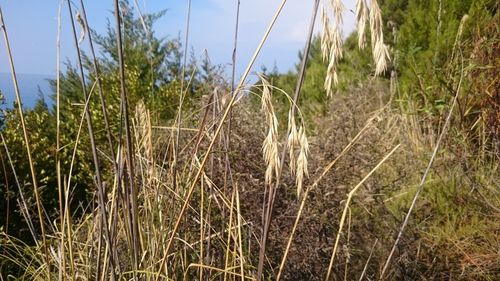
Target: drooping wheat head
331 37
361 17
270 145
302 161
298 150
292 141
331 43
380 51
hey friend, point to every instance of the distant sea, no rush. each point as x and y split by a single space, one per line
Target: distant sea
32 87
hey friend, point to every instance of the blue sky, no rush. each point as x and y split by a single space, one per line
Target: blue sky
32 27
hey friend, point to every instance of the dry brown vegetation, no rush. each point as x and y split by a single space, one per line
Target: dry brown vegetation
232 189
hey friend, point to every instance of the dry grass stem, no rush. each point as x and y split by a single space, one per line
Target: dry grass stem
347 203
34 180
304 198
216 133
193 182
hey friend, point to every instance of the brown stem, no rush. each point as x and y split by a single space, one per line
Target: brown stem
26 140
93 146
128 140
227 169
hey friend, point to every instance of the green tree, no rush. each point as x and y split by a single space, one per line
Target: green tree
152 69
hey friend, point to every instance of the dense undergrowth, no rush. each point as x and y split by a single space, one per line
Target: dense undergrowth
186 189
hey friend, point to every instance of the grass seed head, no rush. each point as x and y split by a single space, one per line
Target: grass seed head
331 41
293 141
270 144
380 51
143 128
326 35
338 8
361 17
302 161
